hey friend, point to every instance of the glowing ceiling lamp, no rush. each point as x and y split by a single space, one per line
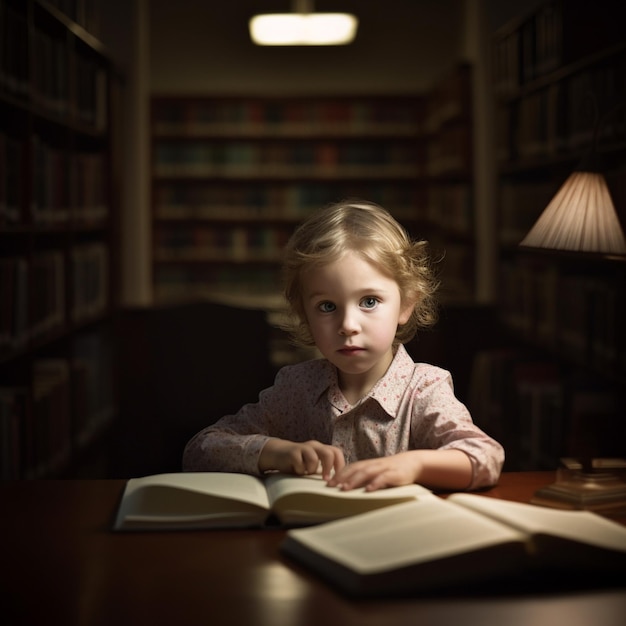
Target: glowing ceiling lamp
303 27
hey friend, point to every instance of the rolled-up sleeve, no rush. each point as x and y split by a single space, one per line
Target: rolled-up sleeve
441 421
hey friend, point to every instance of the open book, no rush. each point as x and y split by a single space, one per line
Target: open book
433 543
226 500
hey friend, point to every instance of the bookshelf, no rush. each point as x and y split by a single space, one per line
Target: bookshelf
557 389
448 135
233 176
57 236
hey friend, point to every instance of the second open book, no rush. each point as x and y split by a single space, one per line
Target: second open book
464 539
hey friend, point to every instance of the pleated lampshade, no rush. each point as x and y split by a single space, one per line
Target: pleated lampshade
581 217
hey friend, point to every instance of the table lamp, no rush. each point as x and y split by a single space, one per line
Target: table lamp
582 218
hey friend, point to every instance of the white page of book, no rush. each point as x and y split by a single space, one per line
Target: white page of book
406 534
533 519
187 494
280 485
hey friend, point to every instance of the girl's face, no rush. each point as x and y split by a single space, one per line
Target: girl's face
353 311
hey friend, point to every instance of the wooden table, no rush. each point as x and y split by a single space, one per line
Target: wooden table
61 565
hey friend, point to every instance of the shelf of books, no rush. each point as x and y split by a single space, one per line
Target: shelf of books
233 176
566 366
56 236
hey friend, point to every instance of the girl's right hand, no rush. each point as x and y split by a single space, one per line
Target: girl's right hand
309 457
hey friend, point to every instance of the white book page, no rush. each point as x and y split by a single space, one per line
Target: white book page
281 485
406 534
179 496
582 526
307 499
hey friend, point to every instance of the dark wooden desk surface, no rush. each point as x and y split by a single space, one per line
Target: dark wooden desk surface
61 565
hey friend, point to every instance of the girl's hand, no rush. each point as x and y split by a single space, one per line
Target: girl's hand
309 457
442 469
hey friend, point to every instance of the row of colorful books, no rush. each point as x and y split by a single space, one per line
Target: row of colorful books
59 409
214 243
35 295
285 116
450 154
204 156
266 200
448 205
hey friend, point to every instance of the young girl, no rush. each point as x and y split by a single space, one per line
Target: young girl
365 415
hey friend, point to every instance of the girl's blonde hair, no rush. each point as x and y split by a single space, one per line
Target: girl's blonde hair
369 230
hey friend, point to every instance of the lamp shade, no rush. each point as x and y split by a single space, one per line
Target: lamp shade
581 217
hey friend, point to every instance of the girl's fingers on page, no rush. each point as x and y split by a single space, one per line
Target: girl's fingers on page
310 458
332 460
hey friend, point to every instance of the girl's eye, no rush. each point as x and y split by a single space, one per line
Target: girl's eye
369 303
326 307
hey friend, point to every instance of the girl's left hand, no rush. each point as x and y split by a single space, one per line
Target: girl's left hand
373 474
437 469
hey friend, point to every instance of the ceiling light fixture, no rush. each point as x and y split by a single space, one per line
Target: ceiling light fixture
303 27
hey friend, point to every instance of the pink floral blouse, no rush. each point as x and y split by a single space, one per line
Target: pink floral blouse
412 406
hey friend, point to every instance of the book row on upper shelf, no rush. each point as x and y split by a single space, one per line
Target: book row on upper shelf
575 315
35 295
449 155
403 116
196 281
278 201
448 206
66 79
66 184
562 116
206 243
277 158
272 117
59 407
